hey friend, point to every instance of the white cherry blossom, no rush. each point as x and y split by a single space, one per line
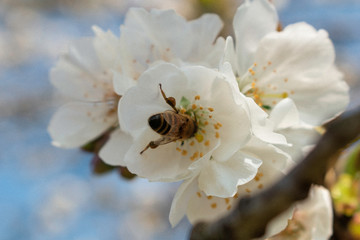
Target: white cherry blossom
218 152
311 219
85 74
197 205
286 121
296 63
162 35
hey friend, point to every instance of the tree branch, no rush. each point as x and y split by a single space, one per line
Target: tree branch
250 217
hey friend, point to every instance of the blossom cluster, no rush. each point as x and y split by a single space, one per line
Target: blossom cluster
227 117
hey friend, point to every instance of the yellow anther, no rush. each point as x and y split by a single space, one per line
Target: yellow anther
178 149
286 80
320 129
217 135
236 196
197 97
207 143
269 62
209 197
248 190
182 110
211 109
199 137
194 106
253 84
227 200
216 126
260 186
201 108
206 123
198 194
228 207
201 154
213 205
192 143
184 152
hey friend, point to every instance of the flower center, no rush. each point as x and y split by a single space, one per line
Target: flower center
266 96
208 129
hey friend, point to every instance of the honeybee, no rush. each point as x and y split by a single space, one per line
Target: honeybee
172 125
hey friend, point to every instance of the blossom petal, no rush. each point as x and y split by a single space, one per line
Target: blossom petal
252 21
78 74
107 47
141 102
75 124
298 63
314 215
222 178
206 208
169 34
114 150
163 163
285 114
181 200
261 126
268 153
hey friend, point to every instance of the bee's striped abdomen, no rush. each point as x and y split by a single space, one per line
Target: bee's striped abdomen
159 124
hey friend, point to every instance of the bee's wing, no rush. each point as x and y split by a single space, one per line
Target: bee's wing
166 139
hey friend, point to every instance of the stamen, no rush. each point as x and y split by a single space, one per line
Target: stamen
199 137
217 135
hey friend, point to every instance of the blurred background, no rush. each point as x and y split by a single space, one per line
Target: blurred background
50 193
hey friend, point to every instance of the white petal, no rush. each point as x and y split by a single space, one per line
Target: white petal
164 35
222 178
314 215
268 153
268 174
235 130
261 126
229 54
298 62
181 200
113 152
141 102
327 100
163 163
207 208
300 139
319 214
107 48
252 21
75 124
285 114
73 81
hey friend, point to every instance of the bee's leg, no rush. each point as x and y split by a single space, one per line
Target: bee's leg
151 144
169 100
158 142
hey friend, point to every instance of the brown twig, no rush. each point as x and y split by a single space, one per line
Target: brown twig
250 217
